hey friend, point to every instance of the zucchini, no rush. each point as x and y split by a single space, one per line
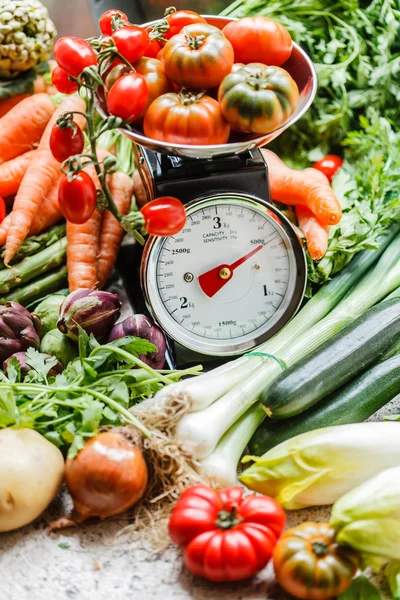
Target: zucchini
334 363
353 403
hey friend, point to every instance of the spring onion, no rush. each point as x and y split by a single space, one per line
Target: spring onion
368 517
318 467
194 431
392 574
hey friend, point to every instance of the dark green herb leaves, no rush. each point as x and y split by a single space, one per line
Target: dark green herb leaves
361 589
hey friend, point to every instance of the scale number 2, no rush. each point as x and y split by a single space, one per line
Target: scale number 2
184 302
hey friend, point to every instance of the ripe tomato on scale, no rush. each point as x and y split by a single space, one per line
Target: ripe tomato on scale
131 41
156 79
110 17
128 97
179 19
73 55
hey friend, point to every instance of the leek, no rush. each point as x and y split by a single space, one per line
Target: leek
392 574
204 390
368 517
318 467
194 432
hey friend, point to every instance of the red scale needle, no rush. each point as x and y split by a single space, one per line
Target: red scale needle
214 280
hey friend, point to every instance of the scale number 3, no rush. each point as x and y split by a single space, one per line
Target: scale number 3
217 222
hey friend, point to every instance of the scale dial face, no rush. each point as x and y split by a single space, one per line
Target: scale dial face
229 280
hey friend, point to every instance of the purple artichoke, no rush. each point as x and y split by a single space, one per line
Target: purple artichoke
25 368
95 311
19 329
140 326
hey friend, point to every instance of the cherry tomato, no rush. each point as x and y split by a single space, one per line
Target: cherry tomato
61 81
131 41
154 73
74 54
153 49
66 142
199 57
180 19
329 165
2 209
186 118
77 198
128 97
310 564
164 216
259 39
106 20
227 536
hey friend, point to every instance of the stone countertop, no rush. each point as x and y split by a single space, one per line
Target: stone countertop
93 562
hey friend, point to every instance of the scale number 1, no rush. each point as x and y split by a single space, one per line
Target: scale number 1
267 292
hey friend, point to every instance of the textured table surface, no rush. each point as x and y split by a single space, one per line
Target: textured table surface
94 563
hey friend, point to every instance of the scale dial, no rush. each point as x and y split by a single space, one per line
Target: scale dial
229 280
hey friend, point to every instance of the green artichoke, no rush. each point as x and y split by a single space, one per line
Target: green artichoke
26 36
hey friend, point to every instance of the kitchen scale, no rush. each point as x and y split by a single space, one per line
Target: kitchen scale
237 272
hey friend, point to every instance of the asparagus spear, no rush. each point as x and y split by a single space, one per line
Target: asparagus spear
35 243
32 266
42 286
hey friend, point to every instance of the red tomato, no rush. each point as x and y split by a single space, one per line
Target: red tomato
154 73
77 198
199 57
227 536
153 49
329 165
107 18
66 142
186 118
2 209
259 39
128 97
131 41
179 19
61 81
74 54
164 216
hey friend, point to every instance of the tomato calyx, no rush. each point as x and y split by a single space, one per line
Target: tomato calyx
228 519
194 41
188 97
320 548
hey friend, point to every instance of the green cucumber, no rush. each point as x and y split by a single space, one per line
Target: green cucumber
334 363
353 403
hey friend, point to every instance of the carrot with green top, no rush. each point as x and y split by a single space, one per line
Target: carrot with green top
39 179
308 188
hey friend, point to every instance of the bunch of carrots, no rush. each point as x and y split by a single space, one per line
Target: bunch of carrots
29 178
309 191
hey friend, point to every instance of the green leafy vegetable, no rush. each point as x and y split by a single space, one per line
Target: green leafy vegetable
392 573
361 589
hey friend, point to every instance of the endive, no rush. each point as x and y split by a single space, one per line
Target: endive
368 517
318 467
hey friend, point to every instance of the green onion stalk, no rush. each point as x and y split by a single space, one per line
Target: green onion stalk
194 431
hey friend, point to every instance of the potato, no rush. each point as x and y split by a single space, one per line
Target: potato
31 472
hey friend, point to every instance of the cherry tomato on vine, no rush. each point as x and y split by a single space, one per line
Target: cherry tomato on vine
164 216
66 142
74 54
2 209
106 20
131 41
153 49
179 19
77 198
61 81
329 165
154 73
128 97
259 39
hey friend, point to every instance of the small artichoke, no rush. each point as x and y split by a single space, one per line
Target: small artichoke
140 326
19 329
26 36
25 368
95 311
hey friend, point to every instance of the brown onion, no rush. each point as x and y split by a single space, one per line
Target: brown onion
108 476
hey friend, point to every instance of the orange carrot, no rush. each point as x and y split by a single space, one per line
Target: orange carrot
12 173
4 228
111 233
40 177
23 126
308 187
315 232
83 245
9 103
48 213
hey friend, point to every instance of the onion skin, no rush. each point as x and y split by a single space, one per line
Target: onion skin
108 476
141 326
